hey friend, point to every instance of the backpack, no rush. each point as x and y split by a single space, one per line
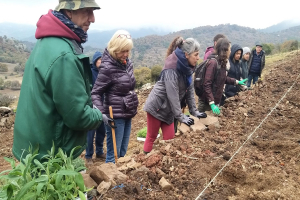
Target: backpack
200 72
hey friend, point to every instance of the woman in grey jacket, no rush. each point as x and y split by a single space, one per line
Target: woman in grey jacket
175 82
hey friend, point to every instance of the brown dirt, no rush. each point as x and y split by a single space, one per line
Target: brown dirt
267 167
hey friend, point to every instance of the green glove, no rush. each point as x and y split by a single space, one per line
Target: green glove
242 82
215 109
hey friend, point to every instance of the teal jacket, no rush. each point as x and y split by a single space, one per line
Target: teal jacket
55 103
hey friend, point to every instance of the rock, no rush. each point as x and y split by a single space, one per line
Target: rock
165 184
103 187
183 128
92 193
198 126
4 110
125 159
153 160
209 120
88 181
107 172
160 172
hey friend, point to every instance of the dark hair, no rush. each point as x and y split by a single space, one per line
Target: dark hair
218 36
178 41
221 49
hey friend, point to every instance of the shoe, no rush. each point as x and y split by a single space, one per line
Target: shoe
145 152
101 156
249 88
89 161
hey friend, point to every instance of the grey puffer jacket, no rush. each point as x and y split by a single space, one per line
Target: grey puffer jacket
164 100
115 82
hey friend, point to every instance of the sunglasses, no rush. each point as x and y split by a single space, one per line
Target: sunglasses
124 35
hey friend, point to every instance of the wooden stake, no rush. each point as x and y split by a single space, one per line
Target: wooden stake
114 135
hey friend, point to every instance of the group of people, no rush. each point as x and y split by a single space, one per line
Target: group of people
64 100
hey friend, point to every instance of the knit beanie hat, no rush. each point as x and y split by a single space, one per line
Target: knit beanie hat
246 50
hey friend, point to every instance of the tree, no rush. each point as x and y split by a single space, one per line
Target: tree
142 76
3 67
155 72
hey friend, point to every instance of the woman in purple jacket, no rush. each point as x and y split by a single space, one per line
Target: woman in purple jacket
116 82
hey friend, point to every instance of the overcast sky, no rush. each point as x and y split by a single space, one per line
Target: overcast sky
169 14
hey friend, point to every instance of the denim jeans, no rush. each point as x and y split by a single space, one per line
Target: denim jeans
122 133
250 78
100 135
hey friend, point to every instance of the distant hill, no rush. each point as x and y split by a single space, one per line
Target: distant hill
151 50
281 26
96 39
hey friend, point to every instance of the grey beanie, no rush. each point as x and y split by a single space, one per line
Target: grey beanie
246 50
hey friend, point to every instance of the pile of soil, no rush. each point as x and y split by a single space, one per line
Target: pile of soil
258 138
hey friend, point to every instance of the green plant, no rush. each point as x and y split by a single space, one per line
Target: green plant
54 178
142 133
78 163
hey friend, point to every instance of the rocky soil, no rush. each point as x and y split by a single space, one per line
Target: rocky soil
258 139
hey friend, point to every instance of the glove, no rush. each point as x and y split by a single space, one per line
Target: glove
242 82
215 109
201 115
188 121
108 121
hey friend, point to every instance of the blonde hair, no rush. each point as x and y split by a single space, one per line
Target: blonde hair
120 41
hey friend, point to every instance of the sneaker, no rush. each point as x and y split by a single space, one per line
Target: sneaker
89 161
249 88
101 156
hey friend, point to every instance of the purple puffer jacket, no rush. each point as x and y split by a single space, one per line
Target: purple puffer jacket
115 82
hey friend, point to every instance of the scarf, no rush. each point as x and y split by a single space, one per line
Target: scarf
76 29
183 66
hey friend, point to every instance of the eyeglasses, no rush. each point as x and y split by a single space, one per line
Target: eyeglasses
125 35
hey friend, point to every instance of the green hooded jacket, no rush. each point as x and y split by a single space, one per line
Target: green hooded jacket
55 102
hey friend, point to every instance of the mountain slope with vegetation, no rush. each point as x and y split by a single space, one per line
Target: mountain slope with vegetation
151 50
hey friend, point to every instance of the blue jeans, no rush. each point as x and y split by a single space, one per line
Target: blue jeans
250 78
100 135
122 133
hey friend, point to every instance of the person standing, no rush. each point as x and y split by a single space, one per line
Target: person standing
100 131
175 83
245 62
210 50
55 104
256 64
215 78
234 70
114 87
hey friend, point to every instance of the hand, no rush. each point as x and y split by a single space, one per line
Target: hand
201 115
108 121
188 121
242 82
215 109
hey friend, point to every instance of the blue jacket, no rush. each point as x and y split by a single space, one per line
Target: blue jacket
256 66
94 69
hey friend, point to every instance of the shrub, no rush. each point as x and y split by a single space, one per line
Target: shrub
3 67
5 100
155 72
142 133
142 76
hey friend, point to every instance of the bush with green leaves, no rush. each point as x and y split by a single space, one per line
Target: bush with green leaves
142 133
55 178
155 72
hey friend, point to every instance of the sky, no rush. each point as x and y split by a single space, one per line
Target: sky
171 15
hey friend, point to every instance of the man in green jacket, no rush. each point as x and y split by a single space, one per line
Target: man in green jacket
55 103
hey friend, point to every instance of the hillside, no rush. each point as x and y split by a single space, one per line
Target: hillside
151 50
253 153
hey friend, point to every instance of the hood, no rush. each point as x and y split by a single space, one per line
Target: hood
50 26
234 49
96 56
209 49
